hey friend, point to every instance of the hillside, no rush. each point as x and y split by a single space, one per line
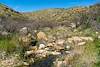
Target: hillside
67 17
10 20
73 17
56 37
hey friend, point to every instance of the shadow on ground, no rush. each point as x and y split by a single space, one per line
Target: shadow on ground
45 62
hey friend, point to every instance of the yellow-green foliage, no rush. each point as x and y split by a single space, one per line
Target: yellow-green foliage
8 44
97 44
8 12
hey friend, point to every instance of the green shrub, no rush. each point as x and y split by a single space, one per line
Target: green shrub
97 43
98 19
8 43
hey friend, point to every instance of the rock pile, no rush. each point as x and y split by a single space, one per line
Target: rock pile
43 47
76 40
56 47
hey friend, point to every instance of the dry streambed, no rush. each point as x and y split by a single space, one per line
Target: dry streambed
48 50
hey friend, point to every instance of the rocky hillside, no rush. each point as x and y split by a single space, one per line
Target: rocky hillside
50 38
72 17
12 21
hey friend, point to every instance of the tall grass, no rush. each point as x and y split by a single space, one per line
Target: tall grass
97 43
8 43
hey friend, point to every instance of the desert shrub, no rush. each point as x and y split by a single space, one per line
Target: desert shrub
98 19
8 43
97 43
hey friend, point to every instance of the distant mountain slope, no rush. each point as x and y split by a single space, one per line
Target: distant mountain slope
5 11
67 17
12 21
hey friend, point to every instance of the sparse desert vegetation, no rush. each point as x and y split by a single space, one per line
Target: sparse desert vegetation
50 38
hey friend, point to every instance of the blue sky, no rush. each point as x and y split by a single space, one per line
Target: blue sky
33 5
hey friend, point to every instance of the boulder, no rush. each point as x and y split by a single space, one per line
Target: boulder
42 36
60 64
69 59
23 31
82 43
79 40
34 48
87 38
58 47
27 53
41 46
41 53
27 40
24 41
25 64
49 45
66 60
55 53
67 52
60 42
74 39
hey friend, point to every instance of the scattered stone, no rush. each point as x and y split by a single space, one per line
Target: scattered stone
74 39
65 61
51 38
60 41
49 45
79 40
41 46
55 53
69 59
41 53
68 47
58 45
29 53
58 48
82 43
67 52
87 38
60 64
34 48
47 49
25 63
